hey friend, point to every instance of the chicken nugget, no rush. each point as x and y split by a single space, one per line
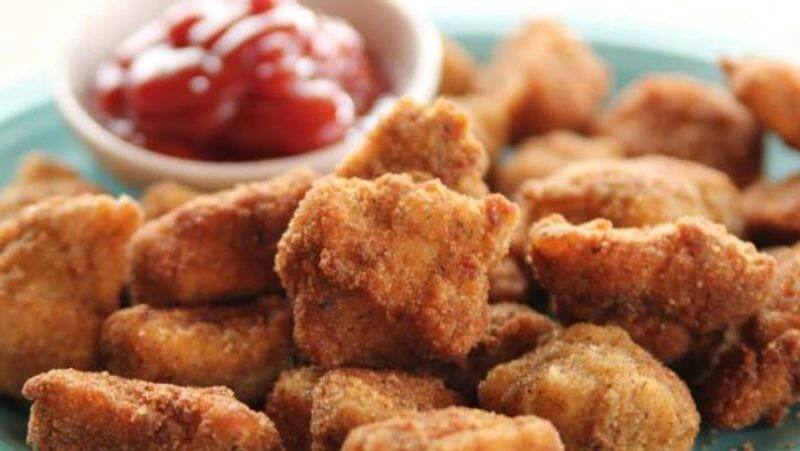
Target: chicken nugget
549 79
74 410
216 247
62 264
162 197
514 330
459 69
455 429
770 90
756 374
666 285
771 211
508 282
642 191
243 347
427 142
541 156
491 120
599 389
679 116
289 406
391 272
38 177
347 398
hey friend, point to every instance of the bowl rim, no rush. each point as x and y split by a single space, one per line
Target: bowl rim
422 85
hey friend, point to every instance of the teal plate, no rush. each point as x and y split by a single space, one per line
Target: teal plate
28 120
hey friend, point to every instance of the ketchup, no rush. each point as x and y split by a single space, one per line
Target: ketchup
233 80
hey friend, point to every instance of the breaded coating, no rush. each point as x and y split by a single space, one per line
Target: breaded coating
162 197
548 78
459 69
491 120
756 375
427 142
243 347
39 177
638 192
514 329
216 247
508 282
679 116
62 264
599 389
289 406
770 90
455 429
73 410
771 211
666 285
391 272
541 156
347 398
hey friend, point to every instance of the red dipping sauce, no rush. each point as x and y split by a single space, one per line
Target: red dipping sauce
236 80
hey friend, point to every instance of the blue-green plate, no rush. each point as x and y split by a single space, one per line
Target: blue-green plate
28 120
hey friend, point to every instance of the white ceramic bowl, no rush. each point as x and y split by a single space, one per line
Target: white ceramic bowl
404 41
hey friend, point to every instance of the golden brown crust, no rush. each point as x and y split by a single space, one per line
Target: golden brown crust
772 211
666 285
600 390
679 116
218 246
638 192
514 329
541 156
770 90
347 398
455 429
508 282
391 272
427 142
38 178
62 264
459 69
491 120
160 198
549 79
74 410
243 347
756 375
289 406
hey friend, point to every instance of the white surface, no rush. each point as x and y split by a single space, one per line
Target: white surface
29 28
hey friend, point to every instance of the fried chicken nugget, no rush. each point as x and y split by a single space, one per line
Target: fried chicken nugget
347 398
218 246
243 347
289 406
508 282
426 142
491 120
540 156
666 285
514 329
459 69
549 79
756 375
162 197
682 117
455 429
599 389
391 272
770 90
73 410
771 211
637 192
38 177
62 263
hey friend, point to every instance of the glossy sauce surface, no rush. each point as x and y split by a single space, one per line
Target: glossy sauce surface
235 80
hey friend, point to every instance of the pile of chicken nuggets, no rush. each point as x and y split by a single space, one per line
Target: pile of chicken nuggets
605 285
